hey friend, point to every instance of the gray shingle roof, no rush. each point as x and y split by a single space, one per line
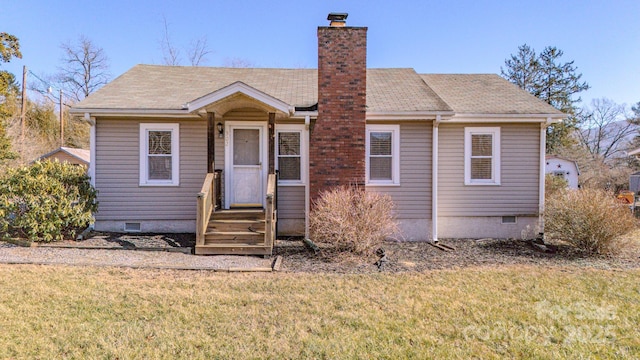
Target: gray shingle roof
485 94
157 87
169 87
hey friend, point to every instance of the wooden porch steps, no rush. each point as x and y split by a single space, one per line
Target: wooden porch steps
236 231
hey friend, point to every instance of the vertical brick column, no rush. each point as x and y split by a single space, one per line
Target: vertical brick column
337 141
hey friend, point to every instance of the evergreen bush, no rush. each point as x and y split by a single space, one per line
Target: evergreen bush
46 201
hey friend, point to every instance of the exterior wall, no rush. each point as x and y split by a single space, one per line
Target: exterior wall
412 197
567 169
120 197
291 210
337 139
477 227
474 211
520 174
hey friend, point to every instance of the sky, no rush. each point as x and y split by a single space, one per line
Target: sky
602 37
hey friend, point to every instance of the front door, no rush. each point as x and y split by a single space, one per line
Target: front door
246 166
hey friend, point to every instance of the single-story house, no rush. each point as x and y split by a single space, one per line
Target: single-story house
461 155
564 168
69 155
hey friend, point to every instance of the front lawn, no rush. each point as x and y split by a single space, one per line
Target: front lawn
476 312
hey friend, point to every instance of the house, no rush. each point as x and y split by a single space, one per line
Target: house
69 155
565 168
461 155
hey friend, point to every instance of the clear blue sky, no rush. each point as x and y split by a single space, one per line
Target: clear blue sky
474 36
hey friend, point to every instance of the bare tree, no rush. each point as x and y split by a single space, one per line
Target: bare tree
238 63
85 68
196 53
607 129
170 54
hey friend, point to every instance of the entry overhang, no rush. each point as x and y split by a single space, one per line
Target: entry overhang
236 95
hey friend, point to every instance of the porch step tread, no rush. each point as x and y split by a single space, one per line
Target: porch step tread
239 221
235 233
222 245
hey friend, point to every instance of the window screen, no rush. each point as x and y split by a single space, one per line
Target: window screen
289 160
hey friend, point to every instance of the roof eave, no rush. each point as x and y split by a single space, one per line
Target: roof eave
406 115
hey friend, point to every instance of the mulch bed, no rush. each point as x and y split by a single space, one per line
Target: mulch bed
130 241
421 256
401 256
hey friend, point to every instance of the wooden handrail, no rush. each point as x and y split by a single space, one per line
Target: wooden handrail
205 207
271 216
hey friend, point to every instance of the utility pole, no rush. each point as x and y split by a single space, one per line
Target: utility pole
61 121
23 112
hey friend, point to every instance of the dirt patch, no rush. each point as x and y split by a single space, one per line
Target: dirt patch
421 256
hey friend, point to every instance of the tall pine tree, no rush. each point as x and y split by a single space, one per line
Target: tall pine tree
552 81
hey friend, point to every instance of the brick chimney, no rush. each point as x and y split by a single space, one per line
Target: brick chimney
337 141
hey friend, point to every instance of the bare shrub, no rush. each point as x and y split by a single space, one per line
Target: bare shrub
553 184
352 220
590 219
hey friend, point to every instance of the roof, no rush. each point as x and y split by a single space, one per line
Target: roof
158 87
80 154
485 94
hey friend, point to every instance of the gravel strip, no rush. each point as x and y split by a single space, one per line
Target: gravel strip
12 254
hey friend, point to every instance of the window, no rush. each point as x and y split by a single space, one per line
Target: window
383 153
290 150
159 154
482 156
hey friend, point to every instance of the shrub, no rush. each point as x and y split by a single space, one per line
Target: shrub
553 184
352 220
45 201
590 219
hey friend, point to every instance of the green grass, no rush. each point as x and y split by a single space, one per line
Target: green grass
512 312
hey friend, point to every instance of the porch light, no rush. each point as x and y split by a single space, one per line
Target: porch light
220 130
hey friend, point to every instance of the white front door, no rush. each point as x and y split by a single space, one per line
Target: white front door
245 165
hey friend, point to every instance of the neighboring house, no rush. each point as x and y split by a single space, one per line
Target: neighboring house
565 168
69 155
461 155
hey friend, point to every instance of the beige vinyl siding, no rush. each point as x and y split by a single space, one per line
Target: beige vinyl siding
413 197
117 173
520 168
291 202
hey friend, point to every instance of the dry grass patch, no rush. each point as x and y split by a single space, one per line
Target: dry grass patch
524 312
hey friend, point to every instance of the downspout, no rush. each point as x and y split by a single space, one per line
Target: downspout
307 205
92 148
434 179
541 190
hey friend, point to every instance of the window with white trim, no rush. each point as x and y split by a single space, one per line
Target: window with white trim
482 156
290 149
159 154
383 154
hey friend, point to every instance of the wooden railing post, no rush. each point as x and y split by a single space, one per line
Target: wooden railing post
205 207
200 218
270 213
